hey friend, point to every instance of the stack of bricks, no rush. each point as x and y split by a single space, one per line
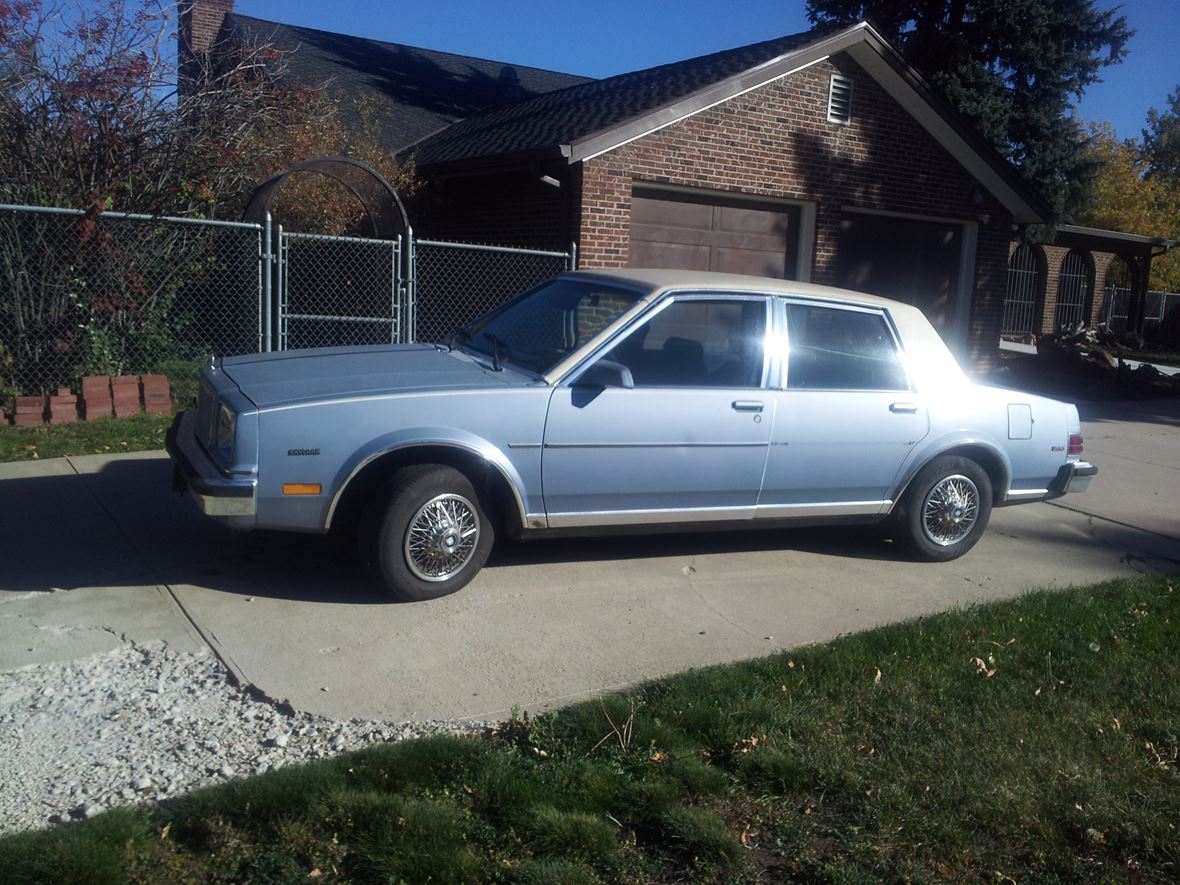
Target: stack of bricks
96 396
63 407
30 410
125 395
157 399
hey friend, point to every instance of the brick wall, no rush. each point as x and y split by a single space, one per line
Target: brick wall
512 208
776 141
1053 258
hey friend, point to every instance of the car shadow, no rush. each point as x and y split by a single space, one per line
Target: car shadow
119 524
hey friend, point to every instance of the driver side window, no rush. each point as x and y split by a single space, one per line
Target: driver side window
698 343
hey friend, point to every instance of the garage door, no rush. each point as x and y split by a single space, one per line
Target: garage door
713 232
905 259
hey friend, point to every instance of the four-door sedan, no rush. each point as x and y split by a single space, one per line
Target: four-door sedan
601 401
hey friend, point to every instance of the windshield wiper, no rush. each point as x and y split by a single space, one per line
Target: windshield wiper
500 349
458 337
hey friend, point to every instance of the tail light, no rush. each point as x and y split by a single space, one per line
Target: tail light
1075 443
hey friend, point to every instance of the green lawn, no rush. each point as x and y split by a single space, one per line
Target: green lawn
137 433
1034 740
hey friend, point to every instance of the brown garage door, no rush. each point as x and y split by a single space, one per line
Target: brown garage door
712 232
905 259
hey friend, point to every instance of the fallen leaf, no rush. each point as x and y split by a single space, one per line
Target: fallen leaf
877 678
983 668
314 874
164 832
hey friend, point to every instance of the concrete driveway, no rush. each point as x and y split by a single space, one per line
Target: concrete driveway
96 551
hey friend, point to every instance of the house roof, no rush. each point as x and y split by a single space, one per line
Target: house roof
423 90
584 120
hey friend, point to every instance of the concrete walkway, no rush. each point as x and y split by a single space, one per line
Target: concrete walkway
96 551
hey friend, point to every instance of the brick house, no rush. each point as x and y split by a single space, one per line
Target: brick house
818 156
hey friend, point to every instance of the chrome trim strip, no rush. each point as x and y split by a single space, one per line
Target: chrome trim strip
842 508
647 517
535 445
713 514
657 445
1026 493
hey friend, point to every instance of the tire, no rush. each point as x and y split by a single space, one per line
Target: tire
416 548
946 509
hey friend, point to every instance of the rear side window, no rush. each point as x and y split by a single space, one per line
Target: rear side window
836 349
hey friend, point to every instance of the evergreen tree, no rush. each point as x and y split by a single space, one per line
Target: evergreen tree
1012 67
1161 142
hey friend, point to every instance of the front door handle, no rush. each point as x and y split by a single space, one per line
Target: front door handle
903 408
747 405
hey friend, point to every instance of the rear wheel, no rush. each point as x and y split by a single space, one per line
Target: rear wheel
432 535
946 509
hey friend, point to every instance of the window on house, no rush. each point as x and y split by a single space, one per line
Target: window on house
840 100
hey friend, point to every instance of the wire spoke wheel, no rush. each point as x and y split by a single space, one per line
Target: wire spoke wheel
442 537
950 510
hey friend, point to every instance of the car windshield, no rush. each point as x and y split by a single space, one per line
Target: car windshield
538 329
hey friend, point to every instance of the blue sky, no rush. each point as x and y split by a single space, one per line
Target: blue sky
613 36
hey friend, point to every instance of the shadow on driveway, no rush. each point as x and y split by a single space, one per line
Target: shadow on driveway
122 525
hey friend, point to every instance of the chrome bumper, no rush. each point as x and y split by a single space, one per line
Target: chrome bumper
215 493
1074 476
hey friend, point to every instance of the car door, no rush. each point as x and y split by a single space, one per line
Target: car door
846 415
687 442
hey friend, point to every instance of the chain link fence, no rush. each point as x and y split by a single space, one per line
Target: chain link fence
123 294
118 294
454 283
340 290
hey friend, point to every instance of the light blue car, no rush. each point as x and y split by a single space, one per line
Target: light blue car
623 400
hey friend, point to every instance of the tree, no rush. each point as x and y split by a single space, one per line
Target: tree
1161 141
1011 67
91 117
1124 196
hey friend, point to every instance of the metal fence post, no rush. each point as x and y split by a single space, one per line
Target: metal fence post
267 292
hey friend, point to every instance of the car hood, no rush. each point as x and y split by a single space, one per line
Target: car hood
330 373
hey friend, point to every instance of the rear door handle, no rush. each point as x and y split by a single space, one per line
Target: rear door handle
903 408
747 405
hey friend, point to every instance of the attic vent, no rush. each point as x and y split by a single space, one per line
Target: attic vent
840 100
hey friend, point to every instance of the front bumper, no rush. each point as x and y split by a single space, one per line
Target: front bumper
231 498
1074 476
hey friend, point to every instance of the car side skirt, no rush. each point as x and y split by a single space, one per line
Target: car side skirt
715 514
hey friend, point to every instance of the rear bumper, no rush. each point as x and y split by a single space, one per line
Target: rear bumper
232 499
1074 476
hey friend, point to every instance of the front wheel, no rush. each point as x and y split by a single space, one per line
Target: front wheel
433 536
946 509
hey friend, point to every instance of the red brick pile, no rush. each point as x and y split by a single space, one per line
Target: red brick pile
102 397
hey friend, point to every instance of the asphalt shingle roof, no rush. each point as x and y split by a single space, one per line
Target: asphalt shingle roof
419 91
559 117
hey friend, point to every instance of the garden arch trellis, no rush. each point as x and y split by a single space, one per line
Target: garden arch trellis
333 289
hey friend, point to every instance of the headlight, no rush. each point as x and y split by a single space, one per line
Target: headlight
227 424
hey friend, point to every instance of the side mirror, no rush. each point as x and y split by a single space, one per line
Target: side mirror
606 373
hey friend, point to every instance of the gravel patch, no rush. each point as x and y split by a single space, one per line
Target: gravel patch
143 723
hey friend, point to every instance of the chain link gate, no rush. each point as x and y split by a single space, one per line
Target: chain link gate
453 283
339 291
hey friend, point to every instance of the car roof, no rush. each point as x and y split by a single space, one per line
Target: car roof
658 280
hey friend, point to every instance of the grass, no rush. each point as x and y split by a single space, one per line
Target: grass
1032 740
136 433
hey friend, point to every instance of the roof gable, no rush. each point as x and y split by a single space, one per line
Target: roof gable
425 90
583 121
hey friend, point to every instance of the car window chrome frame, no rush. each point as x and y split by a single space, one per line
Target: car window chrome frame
784 349
627 323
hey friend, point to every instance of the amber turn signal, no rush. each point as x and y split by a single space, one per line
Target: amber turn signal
301 488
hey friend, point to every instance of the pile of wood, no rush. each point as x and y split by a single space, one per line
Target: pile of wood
1097 356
